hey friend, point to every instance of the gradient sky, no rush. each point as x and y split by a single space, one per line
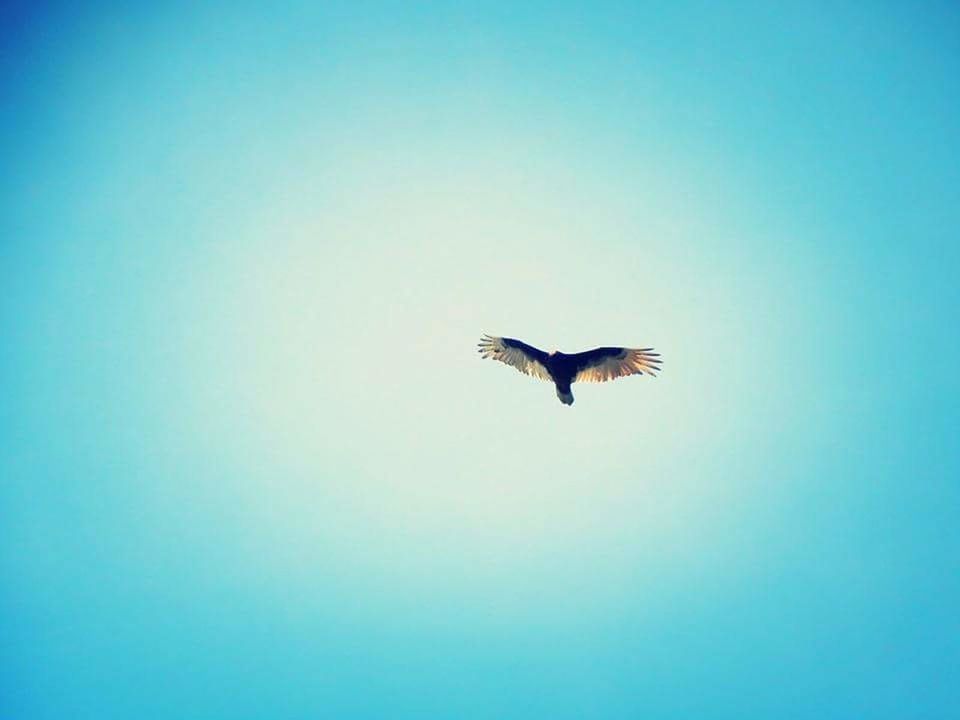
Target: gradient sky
252 466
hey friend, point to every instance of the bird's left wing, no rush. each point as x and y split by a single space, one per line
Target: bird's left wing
609 363
525 358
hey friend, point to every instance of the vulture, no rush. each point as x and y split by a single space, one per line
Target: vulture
597 365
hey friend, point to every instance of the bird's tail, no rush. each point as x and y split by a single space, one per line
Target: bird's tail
566 397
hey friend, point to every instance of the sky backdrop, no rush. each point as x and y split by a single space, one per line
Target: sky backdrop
252 466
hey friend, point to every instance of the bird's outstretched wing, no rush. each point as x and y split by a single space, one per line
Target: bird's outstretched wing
525 358
609 363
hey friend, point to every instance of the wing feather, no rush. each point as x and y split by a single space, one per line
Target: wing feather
609 363
525 358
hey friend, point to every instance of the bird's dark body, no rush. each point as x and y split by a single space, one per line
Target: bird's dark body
563 368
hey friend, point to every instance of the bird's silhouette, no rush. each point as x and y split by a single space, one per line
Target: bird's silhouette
597 365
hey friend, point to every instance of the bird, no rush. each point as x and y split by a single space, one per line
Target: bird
597 365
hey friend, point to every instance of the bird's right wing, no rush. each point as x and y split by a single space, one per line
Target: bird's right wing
525 358
609 363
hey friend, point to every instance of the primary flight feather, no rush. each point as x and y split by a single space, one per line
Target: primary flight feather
597 365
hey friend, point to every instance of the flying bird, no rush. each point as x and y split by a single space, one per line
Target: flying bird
597 365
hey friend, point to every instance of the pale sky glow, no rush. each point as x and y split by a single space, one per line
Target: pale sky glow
351 341
255 467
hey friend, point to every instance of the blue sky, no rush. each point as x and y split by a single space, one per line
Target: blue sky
253 466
